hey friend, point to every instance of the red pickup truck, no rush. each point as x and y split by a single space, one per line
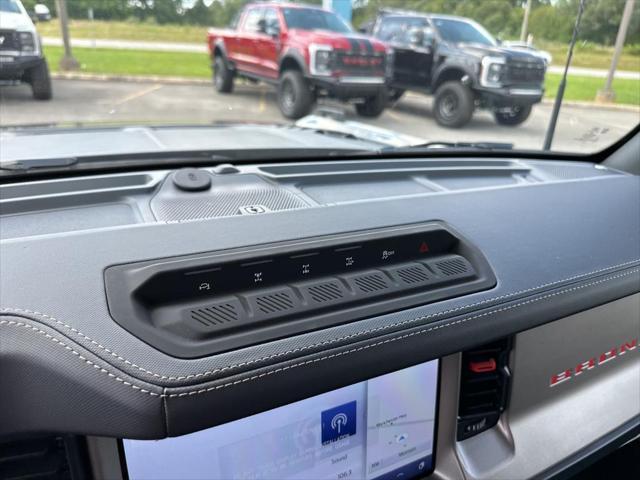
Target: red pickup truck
307 52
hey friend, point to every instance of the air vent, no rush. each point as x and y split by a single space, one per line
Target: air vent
273 303
371 283
220 314
325 292
484 387
42 457
414 274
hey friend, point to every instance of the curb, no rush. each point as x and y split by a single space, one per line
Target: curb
130 78
600 106
206 81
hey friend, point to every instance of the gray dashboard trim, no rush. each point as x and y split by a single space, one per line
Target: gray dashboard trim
540 239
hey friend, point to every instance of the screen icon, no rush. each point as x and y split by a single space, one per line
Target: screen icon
338 422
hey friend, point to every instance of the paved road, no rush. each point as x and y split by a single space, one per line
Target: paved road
581 129
202 48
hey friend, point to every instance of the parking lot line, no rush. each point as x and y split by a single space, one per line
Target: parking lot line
138 94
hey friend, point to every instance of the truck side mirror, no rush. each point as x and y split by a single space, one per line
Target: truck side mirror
416 37
273 30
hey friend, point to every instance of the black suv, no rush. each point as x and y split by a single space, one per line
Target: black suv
459 62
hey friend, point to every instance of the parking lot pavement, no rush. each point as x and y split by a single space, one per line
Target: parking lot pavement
580 128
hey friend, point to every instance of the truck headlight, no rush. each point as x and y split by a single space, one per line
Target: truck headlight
27 42
492 71
321 59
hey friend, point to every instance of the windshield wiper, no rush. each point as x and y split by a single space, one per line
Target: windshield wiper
31 164
451 145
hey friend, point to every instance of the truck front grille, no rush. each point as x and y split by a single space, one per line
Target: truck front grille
9 40
361 65
525 72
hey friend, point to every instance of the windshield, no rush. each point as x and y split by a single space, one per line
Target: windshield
313 19
9 6
198 75
459 31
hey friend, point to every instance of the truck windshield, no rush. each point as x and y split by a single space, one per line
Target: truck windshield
314 19
9 6
460 31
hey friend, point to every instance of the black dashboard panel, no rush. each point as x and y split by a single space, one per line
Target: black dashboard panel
205 304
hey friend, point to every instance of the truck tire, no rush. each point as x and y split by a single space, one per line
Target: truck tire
372 107
395 94
295 98
40 81
513 116
222 75
453 105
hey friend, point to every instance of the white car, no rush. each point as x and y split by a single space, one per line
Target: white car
21 56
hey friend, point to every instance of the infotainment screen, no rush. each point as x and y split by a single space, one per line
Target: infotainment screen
382 428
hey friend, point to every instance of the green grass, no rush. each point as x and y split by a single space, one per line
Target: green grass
585 54
135 62
589 55
585 88
132 30
196 65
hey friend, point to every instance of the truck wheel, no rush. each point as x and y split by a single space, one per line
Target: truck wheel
222 76
395 94
40 81
453 105
512 116
295 99
372 107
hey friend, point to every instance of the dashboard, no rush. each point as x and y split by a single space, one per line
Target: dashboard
444 318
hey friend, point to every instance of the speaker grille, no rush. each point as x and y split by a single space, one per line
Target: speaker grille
325 292
215 315
453 266
413 274
371 283
227 195
276 302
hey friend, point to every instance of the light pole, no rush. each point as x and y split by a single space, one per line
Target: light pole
525 21
67 62
607 95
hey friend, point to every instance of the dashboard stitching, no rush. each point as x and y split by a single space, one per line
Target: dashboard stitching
306 347
307 362
79 355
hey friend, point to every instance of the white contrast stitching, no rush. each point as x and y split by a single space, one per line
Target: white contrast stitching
79 355
315 360
311 346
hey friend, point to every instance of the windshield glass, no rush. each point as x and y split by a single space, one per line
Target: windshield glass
313 19
9 6
445 73
458 31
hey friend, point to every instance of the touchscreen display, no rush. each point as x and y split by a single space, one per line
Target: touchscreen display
382 428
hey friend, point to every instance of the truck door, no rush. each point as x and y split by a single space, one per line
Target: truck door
246 54
412 41
269 43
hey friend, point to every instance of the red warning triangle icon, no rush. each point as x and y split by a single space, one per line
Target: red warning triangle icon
424 248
